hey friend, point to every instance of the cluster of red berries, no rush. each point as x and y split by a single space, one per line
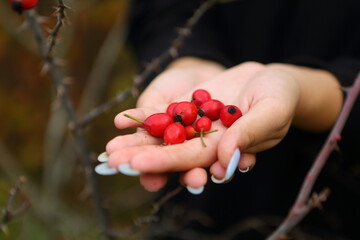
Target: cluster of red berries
181 121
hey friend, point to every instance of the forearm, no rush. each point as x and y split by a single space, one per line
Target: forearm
320 97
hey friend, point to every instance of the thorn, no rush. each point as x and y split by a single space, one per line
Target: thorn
4 229
337 148
45 69
174 52
346 89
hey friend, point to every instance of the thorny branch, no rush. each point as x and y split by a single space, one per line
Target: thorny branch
60 13
58 77
151 217
302 204
8 213
153 66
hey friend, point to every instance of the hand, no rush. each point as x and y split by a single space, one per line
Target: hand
269 96
180 79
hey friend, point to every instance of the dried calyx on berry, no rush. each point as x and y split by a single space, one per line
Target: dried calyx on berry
229 114
17 7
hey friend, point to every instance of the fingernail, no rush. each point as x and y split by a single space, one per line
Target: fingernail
126 169
105 169
233 165
245 170
195 191
103 157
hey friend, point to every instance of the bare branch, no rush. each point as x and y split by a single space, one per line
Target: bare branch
8 214
302 204
60 13
153 66
58 77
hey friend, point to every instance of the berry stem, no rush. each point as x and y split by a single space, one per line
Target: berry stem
206 132
202 138
133 118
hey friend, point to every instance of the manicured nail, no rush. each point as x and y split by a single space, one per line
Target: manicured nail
245 170
105 169
103 157
233 164
195 191
126 169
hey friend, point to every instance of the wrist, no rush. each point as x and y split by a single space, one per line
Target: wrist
320 98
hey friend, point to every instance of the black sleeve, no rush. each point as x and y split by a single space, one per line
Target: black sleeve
154 26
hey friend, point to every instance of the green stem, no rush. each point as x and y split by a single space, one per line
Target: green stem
133 118
202 138
212 131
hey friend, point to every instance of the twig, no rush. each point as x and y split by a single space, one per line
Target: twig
8 214
153 66
302 206
60 13
150 218
58 80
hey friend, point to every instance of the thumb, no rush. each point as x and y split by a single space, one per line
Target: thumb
261 128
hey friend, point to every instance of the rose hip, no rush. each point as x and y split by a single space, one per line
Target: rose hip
203 124
190 132
229 114
170 108
200 96
211 109
155 124
175 133
185 113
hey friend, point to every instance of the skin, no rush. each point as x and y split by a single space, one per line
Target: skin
272 98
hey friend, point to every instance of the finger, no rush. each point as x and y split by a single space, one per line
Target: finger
135 139
153 182
178 157
194 178
247 162
261 128
140 114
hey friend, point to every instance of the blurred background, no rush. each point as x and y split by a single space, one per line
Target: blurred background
34 140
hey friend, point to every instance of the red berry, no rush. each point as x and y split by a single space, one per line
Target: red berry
20 5
185 113
175 133
203 124
190 132
229 114
170 109
211 109
155 124
200 96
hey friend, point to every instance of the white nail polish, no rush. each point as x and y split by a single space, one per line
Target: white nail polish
195 191
105 169
217 181
233 165
103 157
245 170
126 169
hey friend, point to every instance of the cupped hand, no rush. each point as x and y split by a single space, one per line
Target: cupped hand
269 97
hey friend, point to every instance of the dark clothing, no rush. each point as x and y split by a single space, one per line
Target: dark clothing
316 33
